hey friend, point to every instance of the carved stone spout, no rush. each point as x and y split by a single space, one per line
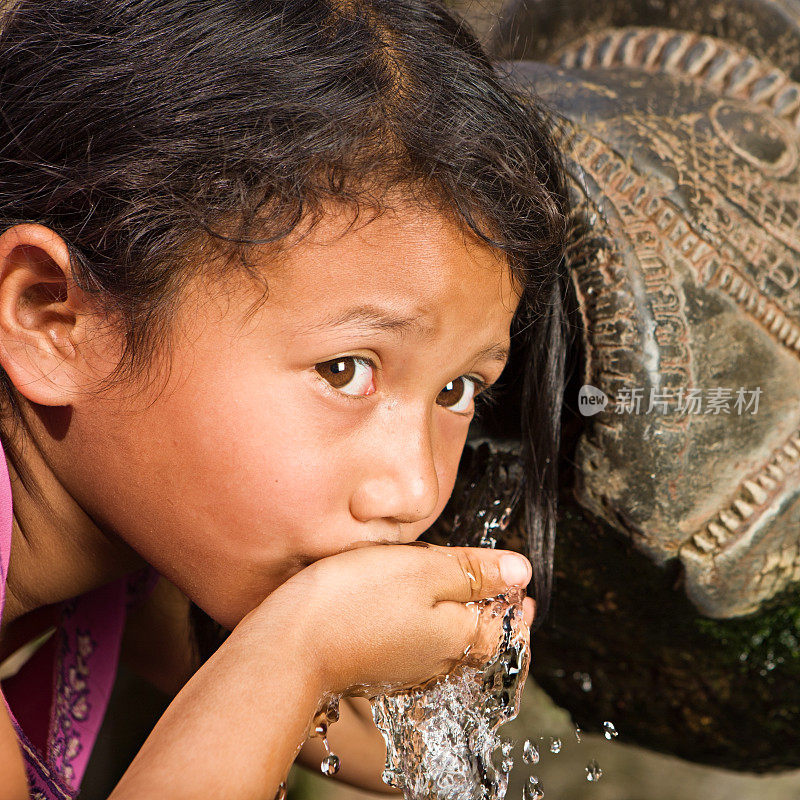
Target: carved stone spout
683 150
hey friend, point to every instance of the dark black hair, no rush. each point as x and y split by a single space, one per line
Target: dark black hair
159 138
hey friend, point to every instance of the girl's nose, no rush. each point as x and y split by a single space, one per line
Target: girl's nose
398 480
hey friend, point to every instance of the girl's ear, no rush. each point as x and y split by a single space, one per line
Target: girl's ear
43 316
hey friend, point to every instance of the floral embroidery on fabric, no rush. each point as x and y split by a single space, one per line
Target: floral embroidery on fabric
71 704
43 783
86 654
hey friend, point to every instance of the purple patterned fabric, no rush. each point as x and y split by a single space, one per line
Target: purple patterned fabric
87 651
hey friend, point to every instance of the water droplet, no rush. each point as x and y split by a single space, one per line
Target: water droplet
530 753
555 745
506 747
593 772
584 679
321 729
578 734
330 764
507 764
281 793
533 789
332 711
609 731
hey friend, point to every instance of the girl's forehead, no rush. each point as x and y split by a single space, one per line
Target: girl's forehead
408 271
416 257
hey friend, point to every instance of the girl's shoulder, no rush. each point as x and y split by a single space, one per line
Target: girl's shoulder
6 523
12 767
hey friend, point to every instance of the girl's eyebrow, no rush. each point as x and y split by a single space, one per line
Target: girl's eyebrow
494 352
376 318
383 319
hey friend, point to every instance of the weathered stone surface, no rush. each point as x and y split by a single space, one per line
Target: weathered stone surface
685 260
536 29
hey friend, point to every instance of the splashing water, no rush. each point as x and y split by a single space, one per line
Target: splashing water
609 731
533 789
508 762
330 764
530 752
593 772
327 715
440 737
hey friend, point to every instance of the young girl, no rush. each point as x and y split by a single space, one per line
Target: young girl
258 262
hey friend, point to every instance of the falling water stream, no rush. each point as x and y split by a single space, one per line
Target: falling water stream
441 739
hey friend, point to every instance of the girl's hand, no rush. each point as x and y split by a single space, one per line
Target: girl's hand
377 616
385 616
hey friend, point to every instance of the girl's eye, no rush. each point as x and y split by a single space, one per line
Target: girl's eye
458 394
350 375
353 376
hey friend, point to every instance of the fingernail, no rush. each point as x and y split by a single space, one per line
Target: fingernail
514 570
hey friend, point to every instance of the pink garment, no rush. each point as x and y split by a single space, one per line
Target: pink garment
85 655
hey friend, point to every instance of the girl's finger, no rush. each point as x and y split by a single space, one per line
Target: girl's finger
528 610
474 573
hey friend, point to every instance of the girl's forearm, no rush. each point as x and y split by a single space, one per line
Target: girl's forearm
236 726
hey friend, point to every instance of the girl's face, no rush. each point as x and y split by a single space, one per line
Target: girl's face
333 415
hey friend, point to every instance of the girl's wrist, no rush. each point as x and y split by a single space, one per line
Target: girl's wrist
285 623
